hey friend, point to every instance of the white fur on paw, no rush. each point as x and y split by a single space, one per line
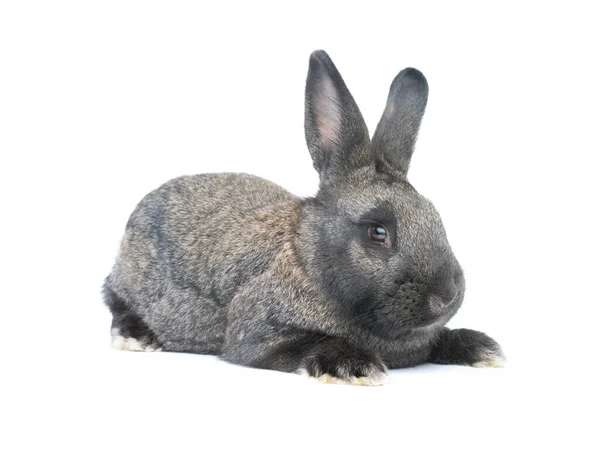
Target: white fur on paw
374 378
130 344
490 359
361 381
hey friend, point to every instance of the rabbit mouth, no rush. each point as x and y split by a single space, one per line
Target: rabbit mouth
407 315
444 310
403 309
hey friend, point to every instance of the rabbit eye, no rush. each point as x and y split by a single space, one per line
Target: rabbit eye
378 234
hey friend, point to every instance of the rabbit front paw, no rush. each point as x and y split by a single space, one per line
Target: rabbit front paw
469 347
337 362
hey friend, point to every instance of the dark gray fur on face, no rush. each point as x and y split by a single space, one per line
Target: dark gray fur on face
341 286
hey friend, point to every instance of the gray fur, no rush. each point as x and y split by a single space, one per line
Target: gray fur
396 134
234 265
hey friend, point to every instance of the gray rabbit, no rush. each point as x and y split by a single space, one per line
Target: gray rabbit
340 286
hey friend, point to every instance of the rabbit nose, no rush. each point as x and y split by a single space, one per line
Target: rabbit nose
439 303
436 304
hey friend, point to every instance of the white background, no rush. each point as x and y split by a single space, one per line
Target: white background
101 102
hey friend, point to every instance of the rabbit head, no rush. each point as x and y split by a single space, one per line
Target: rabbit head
374 243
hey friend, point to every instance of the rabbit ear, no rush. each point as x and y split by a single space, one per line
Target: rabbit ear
396 133
336 133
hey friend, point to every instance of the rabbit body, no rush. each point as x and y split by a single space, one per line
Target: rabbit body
341 286
188 246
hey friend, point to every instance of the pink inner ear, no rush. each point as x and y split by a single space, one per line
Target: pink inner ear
328 114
